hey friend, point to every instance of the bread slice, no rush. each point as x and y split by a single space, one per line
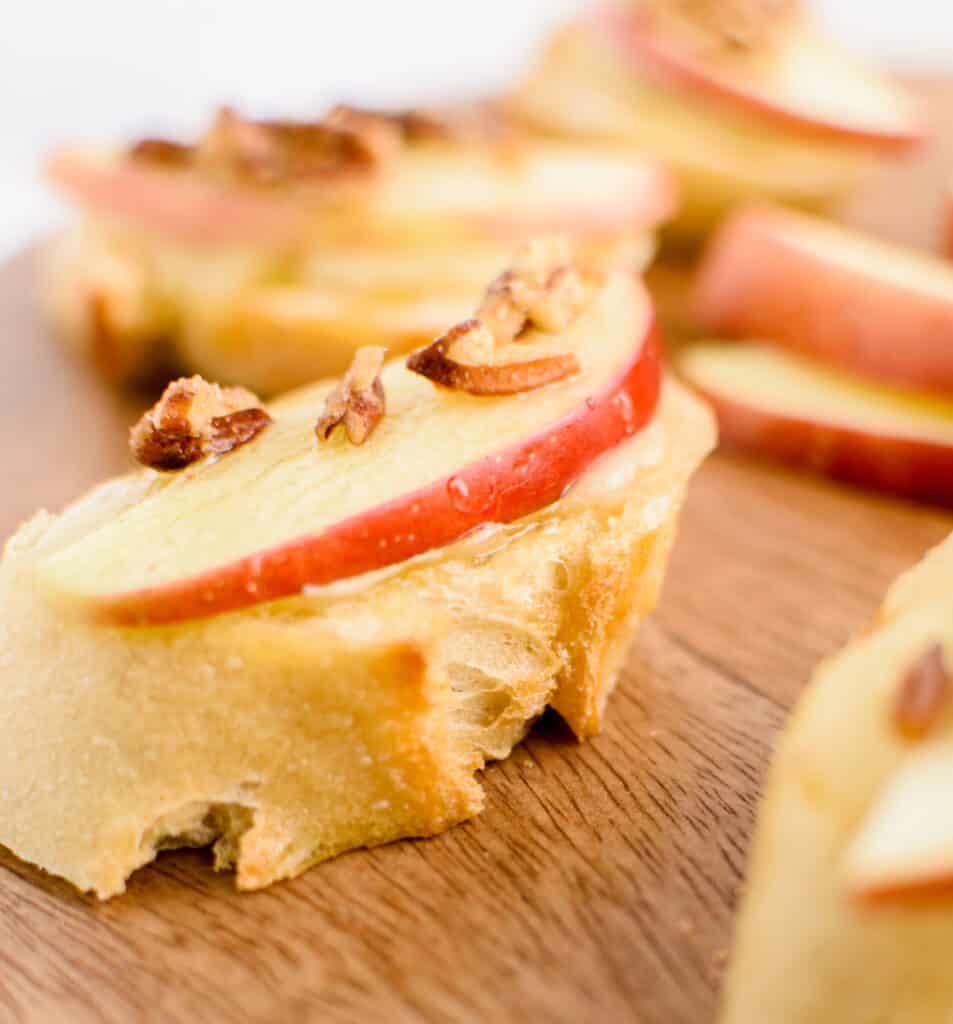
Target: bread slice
349 716
846 915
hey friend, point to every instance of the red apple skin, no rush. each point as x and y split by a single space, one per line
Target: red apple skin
501 487
756 281
907 467
181 206
649 51
923 892
173 203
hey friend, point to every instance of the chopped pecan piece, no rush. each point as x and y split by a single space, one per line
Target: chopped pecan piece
276 152
543 289
358 401
924 694
503 315
346 141
436 364
194 418
379 136
162 151
477 123
731 26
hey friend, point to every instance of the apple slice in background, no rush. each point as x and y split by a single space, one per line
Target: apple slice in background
274 337
283 512
787 408
550 187
587 86
277 336
172 203
904 849
807 83
867 306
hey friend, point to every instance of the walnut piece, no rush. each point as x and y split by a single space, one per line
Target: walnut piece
358 400
923 695
545 290
194 418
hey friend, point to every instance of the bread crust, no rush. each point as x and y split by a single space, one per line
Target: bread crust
293 731
821 937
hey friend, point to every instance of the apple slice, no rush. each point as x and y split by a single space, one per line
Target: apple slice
584 89
904 849
547 187
274 337
173 203
282 512
877 309
277 336
807 84
805 415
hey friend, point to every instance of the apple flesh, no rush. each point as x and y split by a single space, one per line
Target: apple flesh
541 187
808 84
904 850
274 337
281 513
800 413
873 308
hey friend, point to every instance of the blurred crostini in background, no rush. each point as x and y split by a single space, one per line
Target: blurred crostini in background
745 100
266 253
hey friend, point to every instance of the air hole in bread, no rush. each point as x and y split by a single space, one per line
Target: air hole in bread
198 824
501 679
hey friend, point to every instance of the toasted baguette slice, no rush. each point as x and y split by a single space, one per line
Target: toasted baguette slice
847 914
346 717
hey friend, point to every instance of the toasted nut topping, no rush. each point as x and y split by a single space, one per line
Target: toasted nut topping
923 695
194 418
276 152
358 401
348 140
481 124
543 290
729 25
272 152
437 365
502 313
162 151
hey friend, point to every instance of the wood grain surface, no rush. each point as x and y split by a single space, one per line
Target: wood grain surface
600 882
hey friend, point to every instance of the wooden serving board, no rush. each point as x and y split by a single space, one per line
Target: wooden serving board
601 880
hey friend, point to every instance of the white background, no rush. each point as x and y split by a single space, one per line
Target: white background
88 69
